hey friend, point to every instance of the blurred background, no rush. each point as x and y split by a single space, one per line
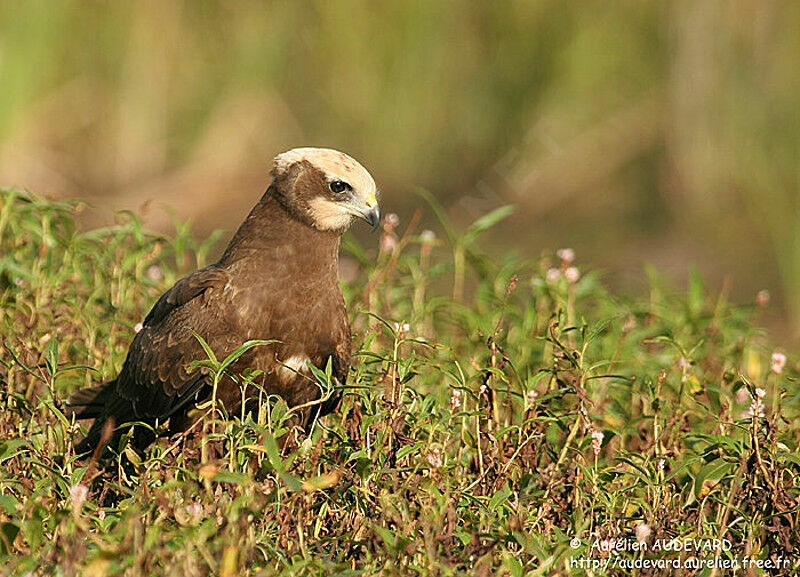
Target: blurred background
663 132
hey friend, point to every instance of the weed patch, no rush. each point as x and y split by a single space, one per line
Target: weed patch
503 417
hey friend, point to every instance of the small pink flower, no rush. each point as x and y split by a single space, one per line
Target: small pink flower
660 464
77 495
195 511
531 397
427 240
567 255
757 405
427 237
154 273
597 441
643 531
778 363
552 276
388 242
435 457
762 298
455 399
756 409
630 324
572 274
401 328
138 327
390 222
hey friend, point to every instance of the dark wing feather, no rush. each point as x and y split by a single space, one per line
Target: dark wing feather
156 377
184 291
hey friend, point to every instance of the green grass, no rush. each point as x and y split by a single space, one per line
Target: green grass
464 444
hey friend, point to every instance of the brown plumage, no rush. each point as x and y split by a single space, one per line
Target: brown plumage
277 280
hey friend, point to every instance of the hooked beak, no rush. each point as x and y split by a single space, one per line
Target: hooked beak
371 212
372 216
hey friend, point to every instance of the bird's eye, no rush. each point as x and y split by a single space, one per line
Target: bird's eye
338 186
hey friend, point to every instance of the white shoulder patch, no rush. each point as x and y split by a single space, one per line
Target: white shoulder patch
292 366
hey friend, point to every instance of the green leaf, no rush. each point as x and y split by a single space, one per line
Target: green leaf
486 222
231 358
386 535
8 533
207 349
9 504
12 447
514 565
51 356
409 449
273 454
599 328
696 296
498 499
230 477
712 472
437 209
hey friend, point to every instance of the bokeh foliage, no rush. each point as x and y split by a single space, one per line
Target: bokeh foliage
649 130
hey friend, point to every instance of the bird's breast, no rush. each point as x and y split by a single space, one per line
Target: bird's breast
290 311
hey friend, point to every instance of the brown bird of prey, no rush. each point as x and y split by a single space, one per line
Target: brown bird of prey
277 280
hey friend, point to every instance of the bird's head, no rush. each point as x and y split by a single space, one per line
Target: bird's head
324 188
